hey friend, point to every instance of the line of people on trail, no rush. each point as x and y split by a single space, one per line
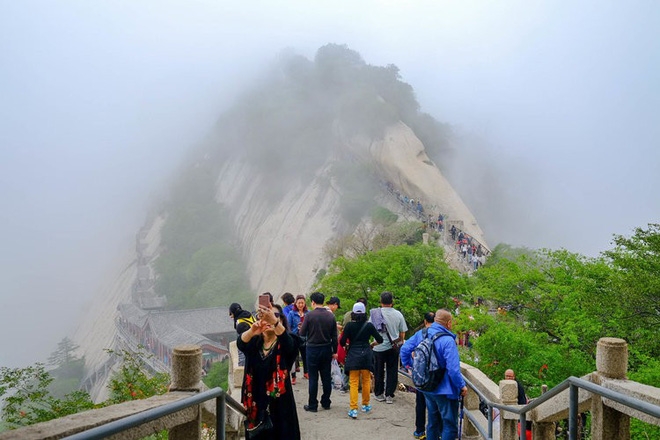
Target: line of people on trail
470 249
416 208
280 337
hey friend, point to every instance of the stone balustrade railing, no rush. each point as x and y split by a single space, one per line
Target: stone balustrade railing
609 420
182 425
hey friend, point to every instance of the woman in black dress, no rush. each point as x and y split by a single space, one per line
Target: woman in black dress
269 352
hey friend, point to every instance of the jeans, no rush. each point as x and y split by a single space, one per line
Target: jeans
442 417
386 372
318 362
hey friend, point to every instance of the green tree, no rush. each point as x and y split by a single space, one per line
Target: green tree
558 293
64 354
417 275
535 358
218 375
26 399
635 289
68 370
132 381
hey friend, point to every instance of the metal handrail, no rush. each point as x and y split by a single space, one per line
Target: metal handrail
572 384
121 425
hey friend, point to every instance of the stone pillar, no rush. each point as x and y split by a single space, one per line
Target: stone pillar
543 430
611 363
186 375
186 368
425 238
471 403
508 421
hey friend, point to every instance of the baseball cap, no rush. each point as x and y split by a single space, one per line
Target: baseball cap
358 308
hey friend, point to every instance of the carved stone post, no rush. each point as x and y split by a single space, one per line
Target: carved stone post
471 403
508 421
425 238
543 430
611 363
186 374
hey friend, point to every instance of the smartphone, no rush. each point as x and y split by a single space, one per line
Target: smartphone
264 301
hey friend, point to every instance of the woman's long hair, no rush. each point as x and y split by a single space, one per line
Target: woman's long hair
358 317
285 322
295 303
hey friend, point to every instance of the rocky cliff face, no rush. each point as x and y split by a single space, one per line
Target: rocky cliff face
283 243
283 240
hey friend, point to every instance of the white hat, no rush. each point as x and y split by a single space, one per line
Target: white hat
359 308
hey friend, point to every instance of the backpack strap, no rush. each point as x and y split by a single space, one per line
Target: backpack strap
358 334
437 336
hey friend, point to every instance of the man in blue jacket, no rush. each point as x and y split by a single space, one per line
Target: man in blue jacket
442 403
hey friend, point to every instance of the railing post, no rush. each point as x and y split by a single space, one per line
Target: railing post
220 417
572 412
508 421
543 430
611 363
186 374
471 402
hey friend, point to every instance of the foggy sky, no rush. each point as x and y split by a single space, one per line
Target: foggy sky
556 104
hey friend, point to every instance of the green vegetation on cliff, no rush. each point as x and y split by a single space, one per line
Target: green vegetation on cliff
547 308
198 266
286 128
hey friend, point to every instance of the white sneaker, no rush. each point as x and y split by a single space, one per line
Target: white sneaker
389 399
380 398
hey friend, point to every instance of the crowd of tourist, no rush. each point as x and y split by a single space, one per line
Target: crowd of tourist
471 252
281 337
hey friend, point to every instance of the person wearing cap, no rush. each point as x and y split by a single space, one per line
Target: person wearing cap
243 320
348 316
333 304
359 357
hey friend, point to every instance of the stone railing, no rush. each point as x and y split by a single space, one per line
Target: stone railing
236 373
610 420
184 424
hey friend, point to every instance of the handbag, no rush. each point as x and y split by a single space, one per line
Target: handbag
396 343
264 426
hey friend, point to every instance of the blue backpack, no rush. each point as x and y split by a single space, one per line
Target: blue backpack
426 371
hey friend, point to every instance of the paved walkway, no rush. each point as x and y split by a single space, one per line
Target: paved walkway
386 421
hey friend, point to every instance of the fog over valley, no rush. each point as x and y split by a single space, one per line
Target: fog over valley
553 109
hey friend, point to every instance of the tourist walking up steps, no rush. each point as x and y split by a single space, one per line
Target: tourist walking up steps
442 403
320 329
392 327
359 358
